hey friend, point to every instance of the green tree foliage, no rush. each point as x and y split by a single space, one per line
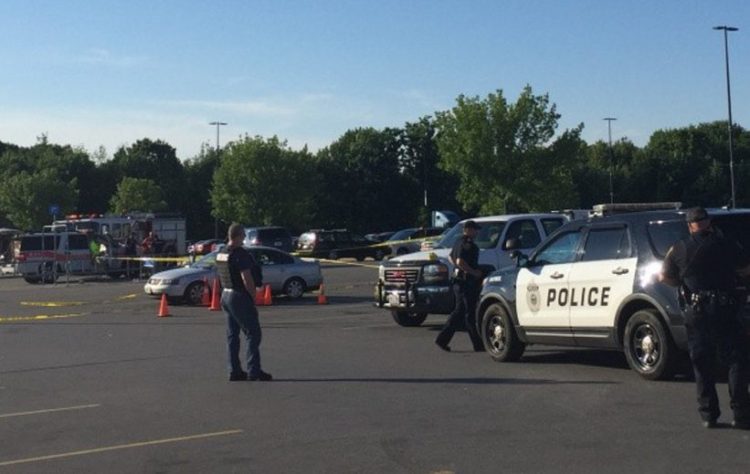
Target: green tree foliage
419 163
199 173
25 197
499 151
136 194
155 160
263 182
360 184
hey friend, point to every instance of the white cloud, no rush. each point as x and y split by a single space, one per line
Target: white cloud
104 57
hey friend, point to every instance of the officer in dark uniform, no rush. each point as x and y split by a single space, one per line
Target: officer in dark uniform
705 266
235 266
466 284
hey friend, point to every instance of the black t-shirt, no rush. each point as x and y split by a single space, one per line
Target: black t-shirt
230 263
705 261
466 250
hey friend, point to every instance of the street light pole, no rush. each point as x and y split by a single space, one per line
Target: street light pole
726 29
218 124
611 159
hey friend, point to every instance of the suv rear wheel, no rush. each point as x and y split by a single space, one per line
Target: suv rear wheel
648 347
499 335
407 319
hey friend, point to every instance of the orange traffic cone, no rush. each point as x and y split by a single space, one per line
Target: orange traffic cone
322 298
215 306
267 298
163 307
259 296
206 297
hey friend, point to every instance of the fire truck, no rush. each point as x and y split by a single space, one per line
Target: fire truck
97 244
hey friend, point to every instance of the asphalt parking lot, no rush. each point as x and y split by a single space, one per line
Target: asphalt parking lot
91 380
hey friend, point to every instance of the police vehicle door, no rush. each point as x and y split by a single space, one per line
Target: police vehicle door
600 281
542 288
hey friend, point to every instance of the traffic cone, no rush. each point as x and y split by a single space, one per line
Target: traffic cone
259 296
163 307
215 306
322 298
206 297
267 297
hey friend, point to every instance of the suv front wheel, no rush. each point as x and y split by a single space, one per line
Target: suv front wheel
649 349
499 335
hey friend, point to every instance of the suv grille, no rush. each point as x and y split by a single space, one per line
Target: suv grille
402 275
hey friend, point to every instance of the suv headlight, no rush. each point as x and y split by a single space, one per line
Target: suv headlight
434 273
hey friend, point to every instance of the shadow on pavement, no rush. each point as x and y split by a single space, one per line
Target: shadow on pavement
460 380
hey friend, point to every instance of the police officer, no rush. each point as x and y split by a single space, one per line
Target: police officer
466 286
235 266
705 266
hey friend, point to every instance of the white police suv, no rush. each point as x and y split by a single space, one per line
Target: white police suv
592 283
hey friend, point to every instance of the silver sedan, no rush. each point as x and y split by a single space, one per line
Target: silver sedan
287 274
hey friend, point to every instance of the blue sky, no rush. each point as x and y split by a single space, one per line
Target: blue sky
93 73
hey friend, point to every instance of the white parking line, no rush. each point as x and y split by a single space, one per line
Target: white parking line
49 410
117 447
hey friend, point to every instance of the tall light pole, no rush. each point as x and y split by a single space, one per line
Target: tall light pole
611 159
218 124
727 29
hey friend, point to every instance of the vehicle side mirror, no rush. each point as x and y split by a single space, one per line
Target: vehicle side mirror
512 244
521 259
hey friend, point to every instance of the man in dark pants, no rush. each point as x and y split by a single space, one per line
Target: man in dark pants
705 266
235 266
466 287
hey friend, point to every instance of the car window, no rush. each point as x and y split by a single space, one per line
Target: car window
664 234
32 243
270 257
206 261
606 244
77 242
341 237
402 234
551 224
358 239
489 234
735 227
525 232
562 249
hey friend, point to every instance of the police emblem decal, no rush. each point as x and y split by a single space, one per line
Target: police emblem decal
532 297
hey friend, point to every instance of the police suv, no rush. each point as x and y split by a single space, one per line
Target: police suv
592 283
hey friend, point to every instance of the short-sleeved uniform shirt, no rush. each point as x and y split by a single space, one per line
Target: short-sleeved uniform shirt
705 261
466 250
230 263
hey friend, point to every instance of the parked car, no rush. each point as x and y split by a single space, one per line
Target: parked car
409 240
287 274
271 236
338 243
379 236
203 247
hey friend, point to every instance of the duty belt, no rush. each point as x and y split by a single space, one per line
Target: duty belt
722 298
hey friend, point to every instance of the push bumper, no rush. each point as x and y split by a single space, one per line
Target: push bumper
437 299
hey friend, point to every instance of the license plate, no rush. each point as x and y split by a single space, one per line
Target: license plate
394 299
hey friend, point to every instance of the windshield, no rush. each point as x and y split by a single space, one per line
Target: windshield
206 261
402 234
487 236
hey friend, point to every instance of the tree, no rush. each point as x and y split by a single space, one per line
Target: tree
136 194
199 173
430 187
361 186
25 198
263 182
500 153
155 160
